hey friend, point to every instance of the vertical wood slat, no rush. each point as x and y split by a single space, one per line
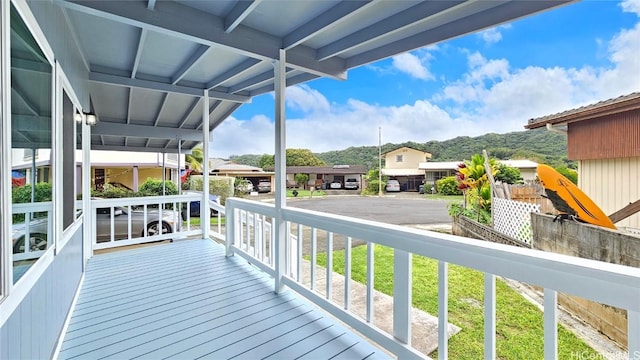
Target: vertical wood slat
370 279
299 255
347 273
402 296
550 324
314 241
257 235
443 310
230 231
489 316
329 264
633 333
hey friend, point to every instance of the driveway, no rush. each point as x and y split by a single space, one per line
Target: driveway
398 210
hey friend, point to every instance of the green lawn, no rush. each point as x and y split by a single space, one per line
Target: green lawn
305 193
196 221
519 325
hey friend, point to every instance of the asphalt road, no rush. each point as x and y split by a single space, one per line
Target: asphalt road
406 209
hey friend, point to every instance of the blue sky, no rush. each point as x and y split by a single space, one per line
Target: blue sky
492 81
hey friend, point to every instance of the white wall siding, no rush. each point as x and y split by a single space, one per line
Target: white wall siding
612 184
32 330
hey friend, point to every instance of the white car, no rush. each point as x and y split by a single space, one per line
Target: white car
393 185
335 185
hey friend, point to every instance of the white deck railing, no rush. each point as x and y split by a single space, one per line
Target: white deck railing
129 221
605 283
35 222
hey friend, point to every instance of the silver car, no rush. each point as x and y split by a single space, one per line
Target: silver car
38 228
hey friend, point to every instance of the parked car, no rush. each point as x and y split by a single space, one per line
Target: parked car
393 185
245 186
351 184
194 206
335 185
38 229
263 186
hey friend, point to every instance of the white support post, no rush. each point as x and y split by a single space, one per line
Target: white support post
205 213
230 229
633 334
87 214
443 310
56 163
489 316
370 283
280 169
6 267
402 296
550 324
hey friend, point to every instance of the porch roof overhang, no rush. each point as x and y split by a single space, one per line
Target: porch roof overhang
150 62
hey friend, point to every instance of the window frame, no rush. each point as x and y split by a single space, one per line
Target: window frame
399 158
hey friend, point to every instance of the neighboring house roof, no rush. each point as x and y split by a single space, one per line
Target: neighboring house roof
589 112
402 172
336 169
439 165
453 165
233 167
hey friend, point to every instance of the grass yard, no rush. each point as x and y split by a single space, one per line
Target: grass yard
305 193
196 221
519 325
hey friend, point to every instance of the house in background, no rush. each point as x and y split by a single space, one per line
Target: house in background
605 140
323 175
435 171
220 167
130 169
403 165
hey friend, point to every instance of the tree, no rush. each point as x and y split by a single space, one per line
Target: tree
195 159
301 179
295 157
508 174
266 162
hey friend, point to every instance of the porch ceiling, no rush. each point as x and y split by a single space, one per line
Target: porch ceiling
150 61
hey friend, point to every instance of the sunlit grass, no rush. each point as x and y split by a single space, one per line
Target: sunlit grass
519 328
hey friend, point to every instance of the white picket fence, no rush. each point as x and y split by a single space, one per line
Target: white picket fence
513 218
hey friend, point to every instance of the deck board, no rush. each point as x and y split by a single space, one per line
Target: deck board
186 300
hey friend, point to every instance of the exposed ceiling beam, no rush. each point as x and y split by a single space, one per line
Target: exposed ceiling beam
487 18
297 79
157 86
104 128
151 4
326 20
190 63
232 73
136 62
154 149
240 11
28 103
129 102
189 111
206 29
421 12
161 107
29 123
218 120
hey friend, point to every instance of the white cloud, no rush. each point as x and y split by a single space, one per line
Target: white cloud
632 6
413 65
491 96
494 34
306 99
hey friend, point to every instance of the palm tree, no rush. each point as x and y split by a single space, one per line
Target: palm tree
195 159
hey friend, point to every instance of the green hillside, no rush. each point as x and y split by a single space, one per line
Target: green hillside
540 145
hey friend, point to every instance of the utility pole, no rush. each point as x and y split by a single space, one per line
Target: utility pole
379 160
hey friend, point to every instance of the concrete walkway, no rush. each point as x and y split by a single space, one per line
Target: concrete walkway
424 327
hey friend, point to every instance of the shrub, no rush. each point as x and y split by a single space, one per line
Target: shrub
372 187
570 174
22 195
448 186
153 187
221 186
110 192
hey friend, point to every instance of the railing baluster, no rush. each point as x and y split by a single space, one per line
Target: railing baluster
130 235
299 255
247 224
489 316
314 239
443 310
257 236
112 223
370 285
402 295
347 273
550 324
329 264
144 215
272 242
230 230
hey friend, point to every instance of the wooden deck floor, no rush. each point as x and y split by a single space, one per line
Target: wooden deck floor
186 300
